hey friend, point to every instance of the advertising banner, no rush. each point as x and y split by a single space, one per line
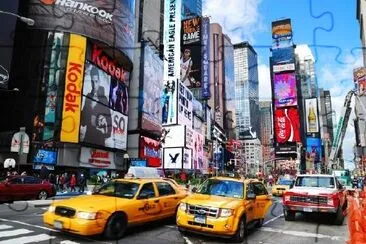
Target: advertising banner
153 76
286 148
285 92
185 107
189 136
97 84
283 55
313 153
119 131
109 21
118 96
52 78
172 24
174 132
287 125
283 67
43 156
359 77
190 61
73 85
90 157
187 159
281 29
311 115
173 158
150 150
205 64
197 155
281 43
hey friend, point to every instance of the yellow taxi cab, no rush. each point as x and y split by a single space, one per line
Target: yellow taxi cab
224 207
282 185
115 206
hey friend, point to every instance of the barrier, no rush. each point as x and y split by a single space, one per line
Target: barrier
357 218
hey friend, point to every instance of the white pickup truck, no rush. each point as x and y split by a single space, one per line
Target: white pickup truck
315 193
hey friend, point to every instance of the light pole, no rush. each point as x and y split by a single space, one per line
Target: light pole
26 20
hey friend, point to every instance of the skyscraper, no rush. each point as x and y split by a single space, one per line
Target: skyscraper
191 8
266 132
246 91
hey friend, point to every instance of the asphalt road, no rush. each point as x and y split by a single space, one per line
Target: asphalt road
22 223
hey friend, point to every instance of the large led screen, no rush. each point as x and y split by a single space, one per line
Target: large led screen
285 92
109 21
281 29
287 125
283 55
313 152
311 115
190 62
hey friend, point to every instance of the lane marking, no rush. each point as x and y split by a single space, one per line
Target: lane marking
302 234
187 240
5 227
273 219
69 242
17 232
28 239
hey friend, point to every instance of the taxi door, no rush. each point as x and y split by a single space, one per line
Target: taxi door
249 204
168 197
148 204
263 200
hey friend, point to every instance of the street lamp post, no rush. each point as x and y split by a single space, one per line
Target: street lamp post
26 20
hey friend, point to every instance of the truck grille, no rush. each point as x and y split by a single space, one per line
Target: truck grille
65 211
309 199
201 210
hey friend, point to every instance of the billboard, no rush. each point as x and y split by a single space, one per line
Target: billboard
282 29
151 151
190 61
73 84
313 153
44 156
173 158
281 43
109 21
171 51
359 77
287 125
311 115
90 157
153 85
285 92
205 64
174 132
283 67
283 55
185 107
187 158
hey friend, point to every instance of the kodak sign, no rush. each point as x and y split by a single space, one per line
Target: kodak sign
73 89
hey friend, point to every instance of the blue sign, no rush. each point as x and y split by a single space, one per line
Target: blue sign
138 162
45 157
205 56
283 55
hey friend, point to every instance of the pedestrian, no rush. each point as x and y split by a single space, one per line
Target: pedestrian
44 174
81 183
72 183
62 182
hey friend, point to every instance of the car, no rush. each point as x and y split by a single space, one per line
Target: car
318 193
115 206
224 207
282 185
16 188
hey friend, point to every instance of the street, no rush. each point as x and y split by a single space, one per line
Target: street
22 223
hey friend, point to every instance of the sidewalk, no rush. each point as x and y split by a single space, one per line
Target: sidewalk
59 196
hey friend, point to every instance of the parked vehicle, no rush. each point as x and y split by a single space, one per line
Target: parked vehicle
25 188
116 206
224 207
315 193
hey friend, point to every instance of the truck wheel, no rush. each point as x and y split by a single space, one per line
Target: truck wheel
339 217
289 215
241 231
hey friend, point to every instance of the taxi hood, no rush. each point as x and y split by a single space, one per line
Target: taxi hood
92 202
212 201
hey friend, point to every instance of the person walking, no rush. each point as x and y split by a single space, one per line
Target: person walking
82 183
44 174
72 183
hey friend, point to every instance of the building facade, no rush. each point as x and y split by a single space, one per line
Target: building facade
253 160
266 131
191 8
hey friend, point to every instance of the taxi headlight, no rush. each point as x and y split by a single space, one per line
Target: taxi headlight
86 215
51 209
226 212
183 206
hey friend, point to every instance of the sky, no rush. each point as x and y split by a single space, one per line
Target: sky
329 27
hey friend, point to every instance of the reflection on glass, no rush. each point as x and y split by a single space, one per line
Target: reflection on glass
118 189
224 188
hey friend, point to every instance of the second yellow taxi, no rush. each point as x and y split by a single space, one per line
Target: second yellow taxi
117 205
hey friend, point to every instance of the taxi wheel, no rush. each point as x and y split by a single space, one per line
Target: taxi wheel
116 227
241 231
42 195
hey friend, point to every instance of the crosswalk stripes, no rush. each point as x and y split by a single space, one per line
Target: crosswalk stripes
13 235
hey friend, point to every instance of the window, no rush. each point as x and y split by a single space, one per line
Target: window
259 189
16 181
31 180
147 191
165 189
311 181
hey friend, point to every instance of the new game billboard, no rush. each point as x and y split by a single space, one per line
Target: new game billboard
285 92
190 62
287 125
110 21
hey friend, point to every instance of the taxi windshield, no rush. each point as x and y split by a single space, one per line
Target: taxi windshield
284 182
224 188
308 181
118 189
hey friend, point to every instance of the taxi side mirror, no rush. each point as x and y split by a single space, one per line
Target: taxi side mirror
251 196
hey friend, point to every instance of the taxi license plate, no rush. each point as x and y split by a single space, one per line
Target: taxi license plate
57 224
308 210
200 219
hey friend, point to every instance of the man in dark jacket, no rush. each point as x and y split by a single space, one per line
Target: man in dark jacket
44 174
82 182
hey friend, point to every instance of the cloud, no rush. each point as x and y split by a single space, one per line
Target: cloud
264 79
243 21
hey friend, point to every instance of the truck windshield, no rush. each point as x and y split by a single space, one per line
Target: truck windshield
224 188
311 181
